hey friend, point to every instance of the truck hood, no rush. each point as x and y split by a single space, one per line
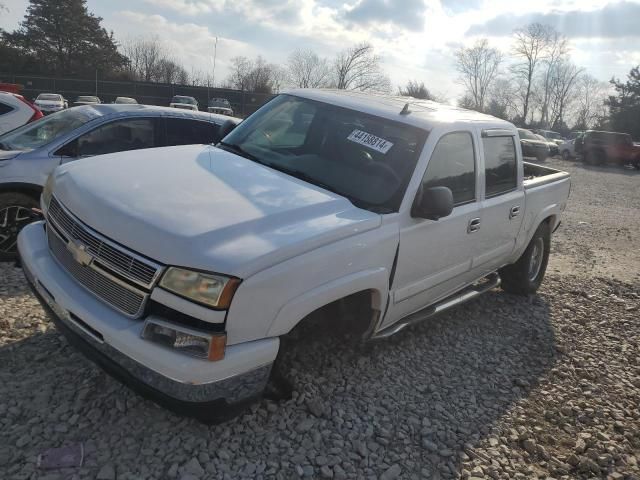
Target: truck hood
201 207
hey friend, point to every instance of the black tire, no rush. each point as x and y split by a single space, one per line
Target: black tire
594 157
566 155
525 276
15 213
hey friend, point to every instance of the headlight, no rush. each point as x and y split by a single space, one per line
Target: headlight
47 191
205 288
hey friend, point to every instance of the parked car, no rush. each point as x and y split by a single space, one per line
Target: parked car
185 103
596 147
221 106
16 111
50 102
180 277
568 149
550 136
553 146
533 146
87 100
125 100
29 154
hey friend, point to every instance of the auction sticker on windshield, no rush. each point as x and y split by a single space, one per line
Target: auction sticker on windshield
376 143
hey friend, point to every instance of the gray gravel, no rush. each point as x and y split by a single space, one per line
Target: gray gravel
504 387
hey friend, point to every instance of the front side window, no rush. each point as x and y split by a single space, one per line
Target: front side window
118 136
365 158
37 134
501 172
190 132
452 165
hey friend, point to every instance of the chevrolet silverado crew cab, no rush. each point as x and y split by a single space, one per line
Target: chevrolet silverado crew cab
180 278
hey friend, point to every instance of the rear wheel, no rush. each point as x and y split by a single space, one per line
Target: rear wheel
15 213
525 276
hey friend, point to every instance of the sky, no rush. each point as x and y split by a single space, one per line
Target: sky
416 39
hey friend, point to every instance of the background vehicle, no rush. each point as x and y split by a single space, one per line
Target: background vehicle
596 148
125 100
185 103
320 202
86 100
29 154
550 136
533 146
16 111
50 102
221 106
553 146
568 149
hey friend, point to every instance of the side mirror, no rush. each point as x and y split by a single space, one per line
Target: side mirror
432 203
227 127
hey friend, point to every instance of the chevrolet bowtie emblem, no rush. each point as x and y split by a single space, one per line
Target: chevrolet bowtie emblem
80 253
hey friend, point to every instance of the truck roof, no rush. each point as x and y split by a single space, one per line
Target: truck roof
422 113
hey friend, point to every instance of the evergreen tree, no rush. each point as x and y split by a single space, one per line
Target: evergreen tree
62 37
625 106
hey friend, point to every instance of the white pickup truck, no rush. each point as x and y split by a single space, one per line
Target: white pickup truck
179 269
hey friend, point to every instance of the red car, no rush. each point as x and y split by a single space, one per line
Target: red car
596 148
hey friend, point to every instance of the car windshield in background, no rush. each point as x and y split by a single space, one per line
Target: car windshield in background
219 103
88 99
365 158
46 96
527 135
189 100
37 134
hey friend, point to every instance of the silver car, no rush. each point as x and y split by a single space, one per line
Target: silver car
30 153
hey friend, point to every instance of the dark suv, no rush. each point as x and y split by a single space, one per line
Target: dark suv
596 148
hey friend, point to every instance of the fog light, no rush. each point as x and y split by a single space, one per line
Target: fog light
183 339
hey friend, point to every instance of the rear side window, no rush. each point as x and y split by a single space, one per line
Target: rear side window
452 165
190 132
118 136
4 108
501 172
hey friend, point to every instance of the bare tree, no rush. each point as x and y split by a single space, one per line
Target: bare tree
503 99
530 46
307 70
240 69
563 89
557 51
150 61
255 75
359 68
416 90
478 67
591 107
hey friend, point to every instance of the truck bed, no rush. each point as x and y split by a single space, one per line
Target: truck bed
537 175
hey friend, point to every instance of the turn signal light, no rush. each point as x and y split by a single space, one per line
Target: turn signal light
209 346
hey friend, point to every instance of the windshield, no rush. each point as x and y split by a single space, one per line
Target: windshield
526 134
37 134
189 100
365 158
48 96
554 135
219 102
87 99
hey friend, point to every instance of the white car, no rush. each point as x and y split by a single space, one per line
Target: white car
50 102
16 111
125 100
179 269
184 102
568 149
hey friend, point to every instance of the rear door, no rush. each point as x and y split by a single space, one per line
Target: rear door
187 131
502 207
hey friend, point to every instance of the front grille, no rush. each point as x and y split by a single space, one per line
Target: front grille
113 292
124 263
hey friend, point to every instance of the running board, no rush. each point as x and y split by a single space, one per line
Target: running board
464 295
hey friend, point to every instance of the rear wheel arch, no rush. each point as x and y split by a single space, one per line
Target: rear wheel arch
29 189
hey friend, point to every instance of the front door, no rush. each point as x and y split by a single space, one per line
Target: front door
435 255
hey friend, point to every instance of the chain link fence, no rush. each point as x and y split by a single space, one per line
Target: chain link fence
243 103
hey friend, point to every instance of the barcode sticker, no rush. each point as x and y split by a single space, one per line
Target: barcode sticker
375 143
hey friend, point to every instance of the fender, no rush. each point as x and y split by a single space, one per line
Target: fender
551 212
375 279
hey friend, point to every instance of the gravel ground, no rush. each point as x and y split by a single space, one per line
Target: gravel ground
503 387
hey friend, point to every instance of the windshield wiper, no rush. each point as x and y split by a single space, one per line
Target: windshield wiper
237 149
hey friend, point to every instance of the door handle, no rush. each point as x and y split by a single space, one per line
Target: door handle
474 225
514 212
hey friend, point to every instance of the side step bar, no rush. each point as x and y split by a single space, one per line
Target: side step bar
464 295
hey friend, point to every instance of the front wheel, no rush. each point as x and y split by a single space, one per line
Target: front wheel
525 276
15 213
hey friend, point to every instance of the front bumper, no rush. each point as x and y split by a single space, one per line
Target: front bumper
207 390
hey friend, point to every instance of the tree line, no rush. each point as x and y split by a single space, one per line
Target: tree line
535 84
